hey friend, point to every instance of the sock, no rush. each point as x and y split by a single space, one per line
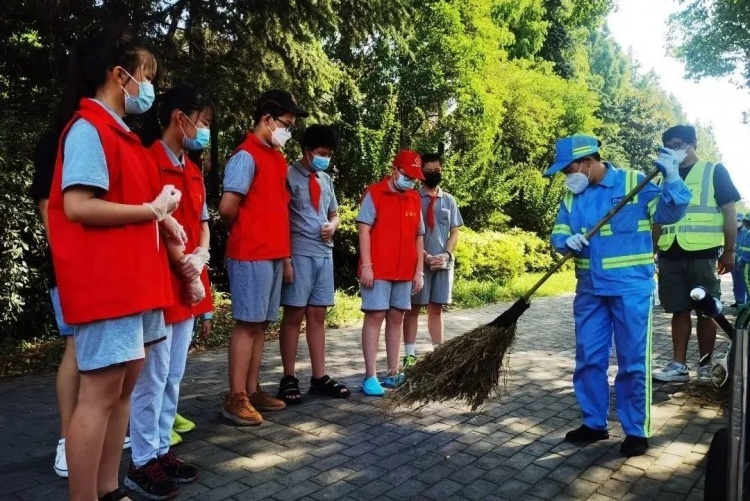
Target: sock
410 349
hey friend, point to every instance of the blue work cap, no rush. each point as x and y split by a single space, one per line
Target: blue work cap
570 149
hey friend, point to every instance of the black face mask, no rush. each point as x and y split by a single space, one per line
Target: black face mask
432 179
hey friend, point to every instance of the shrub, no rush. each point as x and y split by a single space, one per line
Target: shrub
500 256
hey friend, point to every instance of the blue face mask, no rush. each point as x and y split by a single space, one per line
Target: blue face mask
135 105
201 139
320 163
403 183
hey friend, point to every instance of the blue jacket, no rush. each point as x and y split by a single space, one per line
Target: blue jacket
742 246
619 258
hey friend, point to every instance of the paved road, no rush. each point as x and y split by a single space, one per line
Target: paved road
345 449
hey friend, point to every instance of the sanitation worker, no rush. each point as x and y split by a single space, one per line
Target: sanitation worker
615 275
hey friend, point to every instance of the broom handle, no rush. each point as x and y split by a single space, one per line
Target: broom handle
614 210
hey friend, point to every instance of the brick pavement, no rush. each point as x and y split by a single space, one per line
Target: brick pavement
345 449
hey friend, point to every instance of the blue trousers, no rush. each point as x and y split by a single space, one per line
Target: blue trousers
597 318
153 403
738 284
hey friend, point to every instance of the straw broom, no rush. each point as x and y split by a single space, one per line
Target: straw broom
468 367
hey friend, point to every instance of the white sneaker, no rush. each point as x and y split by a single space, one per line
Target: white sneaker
126 444
61 464
704 374
675 371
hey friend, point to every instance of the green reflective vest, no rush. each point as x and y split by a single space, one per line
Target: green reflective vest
703 224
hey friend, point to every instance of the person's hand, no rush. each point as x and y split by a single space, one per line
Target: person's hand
417 282
287 276
440 261
206 327
173 231
726 262
366 276
427 258
576 242
191 265
327 231
668 162
166 202
195 292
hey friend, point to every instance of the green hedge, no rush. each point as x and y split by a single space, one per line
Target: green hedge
500 256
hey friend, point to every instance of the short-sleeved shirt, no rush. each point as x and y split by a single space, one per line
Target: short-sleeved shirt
447 217
84 163
367 214
239 173
724 192
180 162
304 221
45 156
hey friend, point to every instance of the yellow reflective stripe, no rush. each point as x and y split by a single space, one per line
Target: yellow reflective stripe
582 263
609 263
633 182
568 200
562 229
581 149
606 230
745 249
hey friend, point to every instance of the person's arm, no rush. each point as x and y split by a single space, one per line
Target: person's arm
726 260
672 202
238 177
562 230
82 205
418 281
365 268
43 206
205 238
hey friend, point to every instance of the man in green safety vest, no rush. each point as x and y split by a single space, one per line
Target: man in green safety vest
694 252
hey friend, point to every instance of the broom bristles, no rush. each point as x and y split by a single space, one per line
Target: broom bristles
467 367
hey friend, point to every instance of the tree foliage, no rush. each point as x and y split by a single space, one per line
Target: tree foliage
489 84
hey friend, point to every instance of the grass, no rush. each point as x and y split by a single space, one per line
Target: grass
475 293
43 355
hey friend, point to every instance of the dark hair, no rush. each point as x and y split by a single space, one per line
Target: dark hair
268 108
182 97
431 157
91 59
318 135
684 132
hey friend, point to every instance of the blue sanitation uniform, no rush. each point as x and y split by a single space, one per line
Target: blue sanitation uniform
614 293
742 257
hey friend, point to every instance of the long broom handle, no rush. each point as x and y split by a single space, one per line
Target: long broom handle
614 210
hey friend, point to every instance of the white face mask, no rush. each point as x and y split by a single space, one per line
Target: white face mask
577 181
680 155
279 136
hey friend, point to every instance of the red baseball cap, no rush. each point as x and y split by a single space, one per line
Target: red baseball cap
410 162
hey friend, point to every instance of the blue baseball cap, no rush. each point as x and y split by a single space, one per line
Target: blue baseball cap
570 149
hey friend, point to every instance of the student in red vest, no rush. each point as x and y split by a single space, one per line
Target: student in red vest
254 210
185 116
390 249
106 206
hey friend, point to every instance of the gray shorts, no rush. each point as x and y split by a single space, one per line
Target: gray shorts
313 282
385 295
63 328
438 286
255 287
677 277
113 341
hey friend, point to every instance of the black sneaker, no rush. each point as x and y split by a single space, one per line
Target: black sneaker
586 435
633 446
177 469
150 481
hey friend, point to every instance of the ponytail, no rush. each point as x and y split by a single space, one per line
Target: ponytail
92 59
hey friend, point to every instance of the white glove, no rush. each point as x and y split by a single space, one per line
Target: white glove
440 261
417 283
166 202
668 163
577 242
174 231
195 291
198 259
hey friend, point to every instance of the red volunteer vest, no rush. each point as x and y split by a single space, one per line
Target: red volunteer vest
106 272
188 214
261 230
393 236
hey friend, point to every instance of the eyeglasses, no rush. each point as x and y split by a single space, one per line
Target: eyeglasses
676 144
287 125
